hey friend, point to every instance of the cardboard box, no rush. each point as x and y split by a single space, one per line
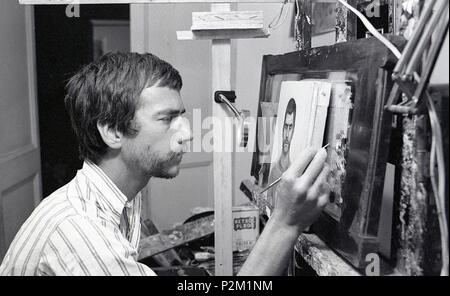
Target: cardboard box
245 227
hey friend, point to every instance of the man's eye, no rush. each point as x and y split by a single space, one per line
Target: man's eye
167 119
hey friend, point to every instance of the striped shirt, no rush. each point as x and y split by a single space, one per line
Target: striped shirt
87 227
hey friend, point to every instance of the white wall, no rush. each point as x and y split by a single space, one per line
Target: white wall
171 201
440 73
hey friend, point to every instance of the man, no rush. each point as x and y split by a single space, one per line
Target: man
126 111
284 161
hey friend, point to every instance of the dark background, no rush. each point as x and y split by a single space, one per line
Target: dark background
63 46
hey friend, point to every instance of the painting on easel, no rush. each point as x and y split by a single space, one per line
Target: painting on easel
355 125
302 112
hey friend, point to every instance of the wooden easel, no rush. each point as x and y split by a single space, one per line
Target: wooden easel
223 161
221 80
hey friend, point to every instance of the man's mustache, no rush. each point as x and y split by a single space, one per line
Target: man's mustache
174 155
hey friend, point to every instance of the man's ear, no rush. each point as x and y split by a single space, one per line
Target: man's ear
111 137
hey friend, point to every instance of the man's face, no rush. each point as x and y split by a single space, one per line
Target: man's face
288 131
157 149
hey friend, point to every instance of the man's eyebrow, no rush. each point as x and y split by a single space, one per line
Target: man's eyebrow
171 112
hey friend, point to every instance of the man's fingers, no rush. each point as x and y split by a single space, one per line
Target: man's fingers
315 167
298 166
320 185
324 199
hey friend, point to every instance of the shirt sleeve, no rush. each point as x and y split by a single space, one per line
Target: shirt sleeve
80 247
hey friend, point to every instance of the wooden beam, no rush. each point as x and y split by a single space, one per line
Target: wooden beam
223 34
222 161
69 2
227 20
321 258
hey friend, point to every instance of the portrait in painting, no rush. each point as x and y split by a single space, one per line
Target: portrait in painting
302 112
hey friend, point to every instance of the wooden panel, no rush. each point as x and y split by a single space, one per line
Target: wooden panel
18 166
227 20
17 206
223 34
325 262
321 258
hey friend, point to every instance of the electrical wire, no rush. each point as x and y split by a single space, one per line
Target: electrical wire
436 147
276 19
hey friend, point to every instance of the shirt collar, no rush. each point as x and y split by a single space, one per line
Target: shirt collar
114 199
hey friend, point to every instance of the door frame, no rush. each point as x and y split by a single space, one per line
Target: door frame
26 158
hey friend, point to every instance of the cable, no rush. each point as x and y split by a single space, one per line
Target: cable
278 23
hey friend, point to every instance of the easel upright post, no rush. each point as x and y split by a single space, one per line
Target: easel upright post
223 161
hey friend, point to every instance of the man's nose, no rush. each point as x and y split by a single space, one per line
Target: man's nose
183 130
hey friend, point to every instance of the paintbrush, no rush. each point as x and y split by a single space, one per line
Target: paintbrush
281 177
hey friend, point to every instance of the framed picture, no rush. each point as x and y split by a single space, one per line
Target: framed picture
356 126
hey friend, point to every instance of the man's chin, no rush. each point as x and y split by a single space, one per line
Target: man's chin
168 173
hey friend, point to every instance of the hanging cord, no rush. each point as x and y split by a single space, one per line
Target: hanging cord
436 147
276 19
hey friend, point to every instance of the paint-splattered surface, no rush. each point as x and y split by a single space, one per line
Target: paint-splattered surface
321 258
414 197
336 135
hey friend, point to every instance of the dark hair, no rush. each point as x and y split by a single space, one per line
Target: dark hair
291 108
107 92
